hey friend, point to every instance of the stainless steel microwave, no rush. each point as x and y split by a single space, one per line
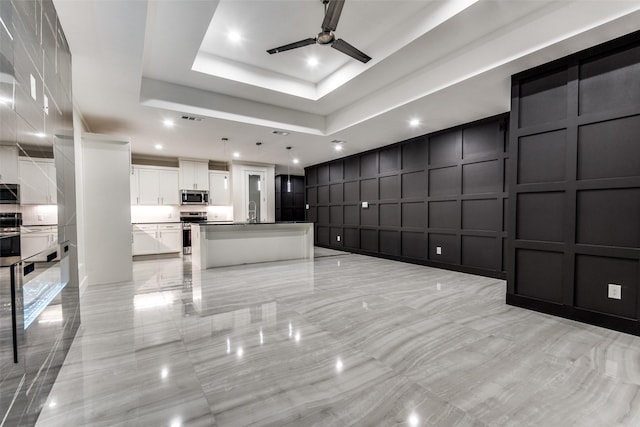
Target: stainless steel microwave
194 197
9 194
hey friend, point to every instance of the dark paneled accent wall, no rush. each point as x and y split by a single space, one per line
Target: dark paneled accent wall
290 198
438 199
575 186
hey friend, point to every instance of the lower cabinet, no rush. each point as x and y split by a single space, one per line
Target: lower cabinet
149 239
37 238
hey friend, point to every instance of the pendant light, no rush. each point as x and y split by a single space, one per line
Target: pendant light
289 171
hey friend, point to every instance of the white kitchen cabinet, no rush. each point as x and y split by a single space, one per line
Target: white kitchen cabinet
135 186
37 178
151 239
155 186
149 185
219 188
8 164
169 238
144 239
169 191
194 175
35 239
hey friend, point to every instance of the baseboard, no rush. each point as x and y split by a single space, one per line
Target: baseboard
608 321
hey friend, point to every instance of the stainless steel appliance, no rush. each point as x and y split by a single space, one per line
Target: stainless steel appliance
38 319
194 197
187 219
9 194
10 223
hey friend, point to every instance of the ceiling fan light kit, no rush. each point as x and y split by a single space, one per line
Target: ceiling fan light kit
333 9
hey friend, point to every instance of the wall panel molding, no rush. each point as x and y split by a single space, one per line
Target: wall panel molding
443 190
575 180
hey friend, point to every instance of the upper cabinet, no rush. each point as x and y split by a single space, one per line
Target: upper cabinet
37 179
219 188
194 175
8 164
135 186
154 186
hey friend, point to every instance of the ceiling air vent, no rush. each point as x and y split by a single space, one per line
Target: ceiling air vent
191 118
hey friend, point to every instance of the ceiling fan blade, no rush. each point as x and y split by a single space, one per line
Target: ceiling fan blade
347 49
301 43
330 22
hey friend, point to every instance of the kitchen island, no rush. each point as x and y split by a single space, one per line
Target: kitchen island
219 245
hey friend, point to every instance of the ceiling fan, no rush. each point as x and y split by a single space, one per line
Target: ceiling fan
332 11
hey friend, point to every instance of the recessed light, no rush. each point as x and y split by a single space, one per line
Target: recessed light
234 36
296 161
168 123
414 122
158 146
338 147
312 62
40 134
236 154
279 132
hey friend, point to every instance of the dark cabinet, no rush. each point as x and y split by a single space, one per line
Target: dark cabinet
290 204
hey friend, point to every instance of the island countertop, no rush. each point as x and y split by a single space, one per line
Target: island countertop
217 245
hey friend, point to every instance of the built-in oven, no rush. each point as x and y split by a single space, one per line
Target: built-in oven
10 223
188 218
9 194
194 197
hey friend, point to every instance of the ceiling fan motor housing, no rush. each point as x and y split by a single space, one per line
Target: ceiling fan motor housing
325 37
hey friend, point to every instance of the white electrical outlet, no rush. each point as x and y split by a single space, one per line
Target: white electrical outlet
365 204
306 206
439 286
338 238
615 291
438 250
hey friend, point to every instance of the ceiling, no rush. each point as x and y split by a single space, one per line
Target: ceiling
137 63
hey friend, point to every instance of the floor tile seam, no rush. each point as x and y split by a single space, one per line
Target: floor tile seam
191 360
448 402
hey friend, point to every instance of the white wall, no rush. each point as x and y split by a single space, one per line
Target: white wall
240 186
106 161
78 128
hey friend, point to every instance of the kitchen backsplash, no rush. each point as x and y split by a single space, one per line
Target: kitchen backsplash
34 214
142 214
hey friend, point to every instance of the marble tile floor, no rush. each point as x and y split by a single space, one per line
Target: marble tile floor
342 340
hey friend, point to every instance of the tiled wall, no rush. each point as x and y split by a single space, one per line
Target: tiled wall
438 199
155 214
36 117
